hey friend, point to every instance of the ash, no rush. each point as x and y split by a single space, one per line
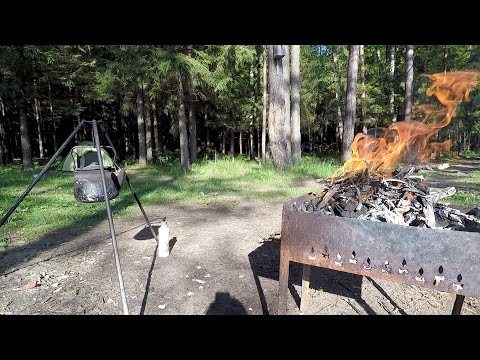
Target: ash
401 199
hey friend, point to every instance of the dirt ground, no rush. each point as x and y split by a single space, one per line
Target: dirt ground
224 260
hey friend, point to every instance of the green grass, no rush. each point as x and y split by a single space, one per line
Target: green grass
51 206
467 198
461 197
469 154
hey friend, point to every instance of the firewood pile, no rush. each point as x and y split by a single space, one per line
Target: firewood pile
401 199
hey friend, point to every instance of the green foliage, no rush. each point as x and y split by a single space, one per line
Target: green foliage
72 82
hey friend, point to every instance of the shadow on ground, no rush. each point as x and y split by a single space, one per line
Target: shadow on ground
265 262
225 304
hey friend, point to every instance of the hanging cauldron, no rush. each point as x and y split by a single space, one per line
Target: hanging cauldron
88 187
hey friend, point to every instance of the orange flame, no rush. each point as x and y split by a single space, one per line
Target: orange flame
411 140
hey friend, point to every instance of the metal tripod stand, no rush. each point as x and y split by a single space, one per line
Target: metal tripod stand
95 124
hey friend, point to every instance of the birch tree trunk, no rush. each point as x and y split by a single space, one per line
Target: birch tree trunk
148 126
24 136
264 114
363 108
336 81
3 160
232 142
38 120
279 109
295 102
182 125
391 75
408 82
192 121
192 115
142 150
54 125
240 138
350 108
156 130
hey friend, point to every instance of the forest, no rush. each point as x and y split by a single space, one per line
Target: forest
245 158
192 102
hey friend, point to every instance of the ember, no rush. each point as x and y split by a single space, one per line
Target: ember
401 200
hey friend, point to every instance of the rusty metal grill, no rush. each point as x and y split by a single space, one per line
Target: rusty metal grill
432 258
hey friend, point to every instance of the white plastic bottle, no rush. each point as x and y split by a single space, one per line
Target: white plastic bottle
163 239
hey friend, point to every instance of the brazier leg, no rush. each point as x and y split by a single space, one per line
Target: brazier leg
305 287
455 304
283 284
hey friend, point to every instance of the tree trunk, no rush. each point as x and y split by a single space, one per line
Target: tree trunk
251 155
38 120
259 138
126 138
54 132
363 111
192 121
207 135
286 94
310 140
295 114
224 140
232 142
264 114
279 109
142 150
148 126
445 58
350 108
3 160
240 138
119 133
408 82
336 83
76 97
182 125
156 130
24 137
391 75
192 116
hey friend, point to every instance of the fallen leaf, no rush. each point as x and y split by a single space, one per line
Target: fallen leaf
31 284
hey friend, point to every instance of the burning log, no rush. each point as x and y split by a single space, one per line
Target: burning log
398 200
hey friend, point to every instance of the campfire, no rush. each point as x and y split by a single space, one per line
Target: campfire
371 185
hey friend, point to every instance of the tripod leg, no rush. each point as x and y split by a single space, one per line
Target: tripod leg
104 131
40 175
110 219
141 207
